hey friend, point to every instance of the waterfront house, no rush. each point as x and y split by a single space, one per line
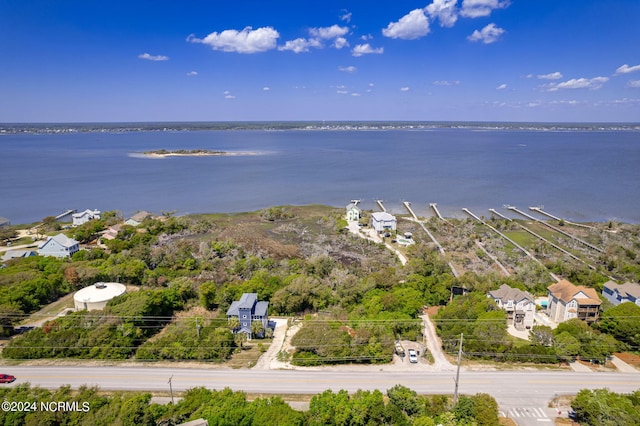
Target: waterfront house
353 212
383 222
85 216
519 305
59 246
567 301
111 232
137 218
619 293
248 309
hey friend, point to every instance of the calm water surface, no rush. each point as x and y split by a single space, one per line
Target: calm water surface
583 175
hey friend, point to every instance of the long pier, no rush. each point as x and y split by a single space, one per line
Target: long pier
542 212
504 270
434 206
557 247
566 234
518 246
379 202
438 245
500 215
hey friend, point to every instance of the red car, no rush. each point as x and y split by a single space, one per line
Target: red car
7 378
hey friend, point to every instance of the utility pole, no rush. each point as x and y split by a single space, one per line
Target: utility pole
171 389
197 328
455 393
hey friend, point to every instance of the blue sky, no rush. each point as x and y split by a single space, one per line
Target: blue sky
486 60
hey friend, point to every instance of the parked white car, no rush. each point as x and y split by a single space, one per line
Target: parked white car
413 356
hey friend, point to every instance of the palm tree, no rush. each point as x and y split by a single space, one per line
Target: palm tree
233 323
256 328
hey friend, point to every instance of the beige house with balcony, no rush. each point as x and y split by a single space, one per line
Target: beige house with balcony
568 301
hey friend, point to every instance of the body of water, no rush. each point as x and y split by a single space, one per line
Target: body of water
579 175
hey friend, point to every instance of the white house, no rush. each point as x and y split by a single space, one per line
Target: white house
520 305
383 221
59 246
85 216
353 212
619 293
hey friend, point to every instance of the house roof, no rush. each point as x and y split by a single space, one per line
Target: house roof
261 309
247 301
353 206
383 217
62 240
140 216
87 212
625 290
14 254
567 291
506 293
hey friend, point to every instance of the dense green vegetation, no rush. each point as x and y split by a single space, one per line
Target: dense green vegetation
355 297
483 326
601 407
402 406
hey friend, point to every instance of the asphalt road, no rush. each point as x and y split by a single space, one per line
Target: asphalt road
510 388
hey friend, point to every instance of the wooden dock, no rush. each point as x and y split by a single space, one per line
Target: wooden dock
434 206
407 205
379 202
559 219
566 234
518 246
500 215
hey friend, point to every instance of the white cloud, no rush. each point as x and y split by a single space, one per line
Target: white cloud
346 16
487 35
246 41
479 8
300 45
149 57
444 10
266 88
366 37
626 69
327 33
366 49
227 95
411 26
634 83
404 89
578 83
528 76
446 83
355 94
350 69
342 92
501 87
551 76
192 73
340 42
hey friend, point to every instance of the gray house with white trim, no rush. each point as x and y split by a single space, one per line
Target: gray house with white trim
383 222
618 293
59 246
249 309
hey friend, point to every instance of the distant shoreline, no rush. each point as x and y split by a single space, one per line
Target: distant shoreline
162 153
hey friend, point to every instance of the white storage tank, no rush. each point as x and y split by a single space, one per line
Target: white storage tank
95 297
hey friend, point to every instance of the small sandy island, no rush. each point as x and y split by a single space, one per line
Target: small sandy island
162 153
